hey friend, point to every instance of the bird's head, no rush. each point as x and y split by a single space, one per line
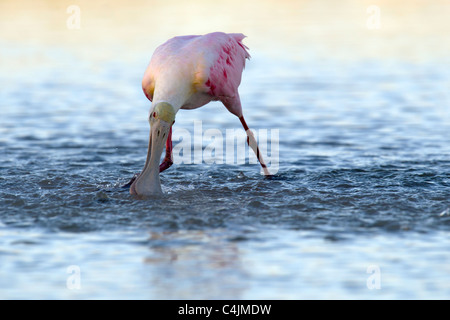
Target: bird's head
161 118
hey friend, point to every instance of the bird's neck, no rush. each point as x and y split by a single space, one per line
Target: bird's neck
173 91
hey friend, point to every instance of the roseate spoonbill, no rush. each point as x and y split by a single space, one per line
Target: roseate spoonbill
187 72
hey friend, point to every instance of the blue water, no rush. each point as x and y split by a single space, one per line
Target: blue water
363 184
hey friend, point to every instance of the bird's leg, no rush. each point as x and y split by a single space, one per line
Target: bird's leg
129 183
168 159
252 143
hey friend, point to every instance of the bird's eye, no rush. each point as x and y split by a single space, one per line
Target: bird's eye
154 114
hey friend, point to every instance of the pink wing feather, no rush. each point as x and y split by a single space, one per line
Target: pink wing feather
225 72
217 61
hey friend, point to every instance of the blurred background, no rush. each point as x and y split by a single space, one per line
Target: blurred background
76 41
63 34
416 31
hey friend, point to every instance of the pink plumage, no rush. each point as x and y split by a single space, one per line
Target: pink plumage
225 73
187 72
211 65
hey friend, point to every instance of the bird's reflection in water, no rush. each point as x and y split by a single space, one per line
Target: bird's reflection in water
196 265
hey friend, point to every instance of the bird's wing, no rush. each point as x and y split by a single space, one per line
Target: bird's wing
226 60
214 63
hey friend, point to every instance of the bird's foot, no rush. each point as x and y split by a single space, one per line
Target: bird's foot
129 183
